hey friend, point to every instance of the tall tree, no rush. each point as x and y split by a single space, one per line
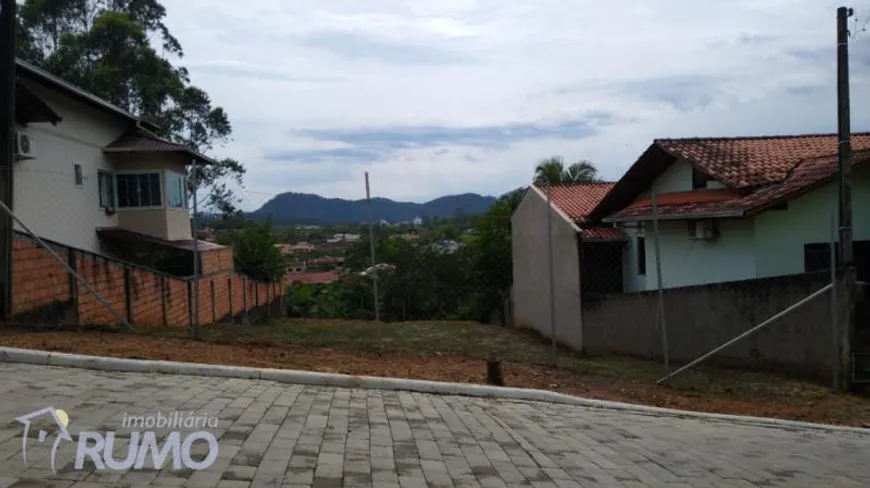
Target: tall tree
110 48
552 170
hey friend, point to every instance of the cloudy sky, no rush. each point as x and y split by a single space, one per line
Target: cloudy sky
436 97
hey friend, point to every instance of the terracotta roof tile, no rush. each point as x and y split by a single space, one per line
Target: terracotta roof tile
745 162
603 234
807 175
576 200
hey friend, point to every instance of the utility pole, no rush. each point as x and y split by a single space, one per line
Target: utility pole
844 160
844 136
372 250
196 256
7 148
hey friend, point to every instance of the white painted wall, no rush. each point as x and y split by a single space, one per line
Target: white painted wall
677 178
782 234
45 195
531 290
686 262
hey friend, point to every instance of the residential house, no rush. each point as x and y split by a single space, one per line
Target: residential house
343 238
736 208
108 195
570 236
92 175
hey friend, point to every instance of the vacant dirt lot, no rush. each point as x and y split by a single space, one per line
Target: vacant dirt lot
456 351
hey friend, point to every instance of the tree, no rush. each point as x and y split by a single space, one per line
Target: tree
256 254
552 170
106 48
491 263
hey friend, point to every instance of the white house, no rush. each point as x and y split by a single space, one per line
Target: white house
87 171
736 208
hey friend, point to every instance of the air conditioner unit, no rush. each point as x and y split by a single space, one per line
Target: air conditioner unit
702 230
23 146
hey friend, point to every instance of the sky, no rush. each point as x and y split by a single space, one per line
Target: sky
438 97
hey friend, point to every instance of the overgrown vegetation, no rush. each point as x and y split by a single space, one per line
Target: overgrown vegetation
255 252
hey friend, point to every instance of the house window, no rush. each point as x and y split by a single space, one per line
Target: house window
78 174
139 190
817 257
176 196
106 187
699 179
640 245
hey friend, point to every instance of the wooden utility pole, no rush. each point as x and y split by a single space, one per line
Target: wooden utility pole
7 148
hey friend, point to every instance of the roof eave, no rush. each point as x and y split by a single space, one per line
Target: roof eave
193 154
724 214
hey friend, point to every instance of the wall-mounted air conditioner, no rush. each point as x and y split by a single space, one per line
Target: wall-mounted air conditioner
23 146
702 230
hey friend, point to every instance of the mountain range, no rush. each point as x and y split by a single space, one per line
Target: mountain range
304 208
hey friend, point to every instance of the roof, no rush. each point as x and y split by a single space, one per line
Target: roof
593 234
576 200
29 71
119 234
316 278
139 140
726 202
744 162
766 167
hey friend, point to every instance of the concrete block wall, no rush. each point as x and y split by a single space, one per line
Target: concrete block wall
700 318
43 290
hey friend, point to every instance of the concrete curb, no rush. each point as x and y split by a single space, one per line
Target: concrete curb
30 356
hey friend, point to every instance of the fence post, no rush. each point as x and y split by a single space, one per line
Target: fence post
660 309
73 283
164 298
231 296
245 320
190 305
128 292
213 303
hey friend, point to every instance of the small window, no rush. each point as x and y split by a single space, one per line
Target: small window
640 245
699 179
106 187
176 195
79 175
139 190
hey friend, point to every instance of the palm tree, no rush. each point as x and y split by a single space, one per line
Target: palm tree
552 170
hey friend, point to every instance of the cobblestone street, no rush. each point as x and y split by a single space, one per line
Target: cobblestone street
272 435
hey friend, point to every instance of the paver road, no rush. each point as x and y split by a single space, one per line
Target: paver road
272 434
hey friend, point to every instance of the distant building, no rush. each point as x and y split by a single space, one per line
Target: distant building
418 221
343 238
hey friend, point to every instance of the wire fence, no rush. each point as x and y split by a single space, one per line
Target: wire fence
83 256
758 293
672 290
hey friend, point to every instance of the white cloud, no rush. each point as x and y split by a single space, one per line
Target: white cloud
665 68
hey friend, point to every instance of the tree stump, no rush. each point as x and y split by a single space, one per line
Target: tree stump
493 373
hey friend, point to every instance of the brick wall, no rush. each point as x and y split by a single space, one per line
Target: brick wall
217 260
43 290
